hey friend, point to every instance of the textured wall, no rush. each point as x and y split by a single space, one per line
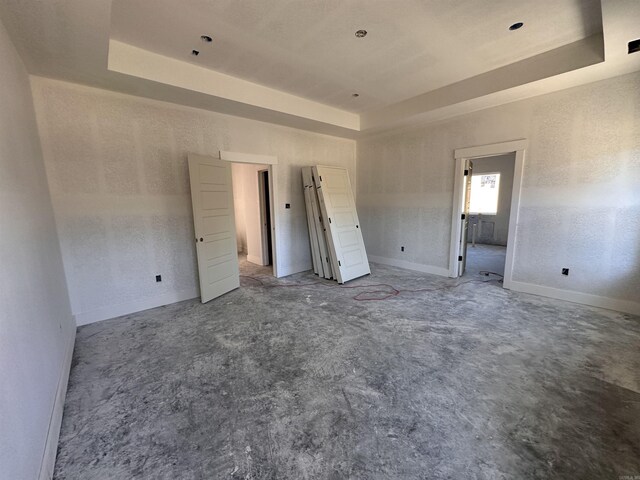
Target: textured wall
237 175
580 204
504 165
117 169
247 209
36 327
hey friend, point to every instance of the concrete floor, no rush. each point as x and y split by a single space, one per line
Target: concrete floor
267 382
488 258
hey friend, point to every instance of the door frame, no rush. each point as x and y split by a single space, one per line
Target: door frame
264 203
272 165
518 147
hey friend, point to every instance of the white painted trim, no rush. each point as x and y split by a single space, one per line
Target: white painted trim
238 157
456 222
418 267
121 309
272 161
55 421
514 216
578 297
275 218
491 149
470 153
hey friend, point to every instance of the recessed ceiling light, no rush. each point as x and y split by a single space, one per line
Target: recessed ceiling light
516 26
206 38
195 53
354 95
361 33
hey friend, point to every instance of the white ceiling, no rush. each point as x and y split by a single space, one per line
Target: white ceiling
308 48
297 62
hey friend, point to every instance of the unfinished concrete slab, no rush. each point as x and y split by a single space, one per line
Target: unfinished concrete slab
485 258
276 381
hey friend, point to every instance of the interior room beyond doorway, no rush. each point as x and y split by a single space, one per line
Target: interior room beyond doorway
489 211
252 207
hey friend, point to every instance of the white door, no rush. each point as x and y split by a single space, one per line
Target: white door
307 184
214 222
341 220
464 231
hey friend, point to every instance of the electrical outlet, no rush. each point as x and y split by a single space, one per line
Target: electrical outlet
402 249
565 271
158 278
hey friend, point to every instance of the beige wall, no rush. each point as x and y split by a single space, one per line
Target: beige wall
580 205
117 169
36 327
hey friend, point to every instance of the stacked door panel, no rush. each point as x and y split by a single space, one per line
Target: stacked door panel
317 233
307 185
343 236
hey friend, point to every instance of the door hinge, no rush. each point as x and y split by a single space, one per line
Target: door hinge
463 216
329 219
466 173
339 264
459 258
320 177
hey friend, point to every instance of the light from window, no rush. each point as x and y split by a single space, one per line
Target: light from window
484 193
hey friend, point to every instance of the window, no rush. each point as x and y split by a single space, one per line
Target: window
484 193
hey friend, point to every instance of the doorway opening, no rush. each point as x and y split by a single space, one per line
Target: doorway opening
491 184
253 218
487 188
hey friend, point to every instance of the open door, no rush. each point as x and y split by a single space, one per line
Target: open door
214 222
348 255
462 259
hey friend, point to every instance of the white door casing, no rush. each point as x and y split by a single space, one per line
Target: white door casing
462 258
338 208
214 224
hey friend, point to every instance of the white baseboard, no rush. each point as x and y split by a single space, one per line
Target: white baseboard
113 311
418 267
578 297
55 421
